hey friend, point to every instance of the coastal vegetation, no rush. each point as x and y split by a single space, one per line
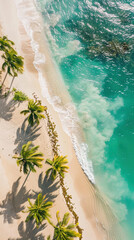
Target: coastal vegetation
52 134
19 95
55 147
13 64
35 110
29 157
58 166
5 44
39 211
63 230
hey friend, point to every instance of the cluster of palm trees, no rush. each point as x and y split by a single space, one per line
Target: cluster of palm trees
12 62
30 158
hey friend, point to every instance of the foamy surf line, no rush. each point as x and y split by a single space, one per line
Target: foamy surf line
31 20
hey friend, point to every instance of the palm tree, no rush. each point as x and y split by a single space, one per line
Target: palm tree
13 63
63 231
29 158
19 67
35 109
57 166
39 210
5 44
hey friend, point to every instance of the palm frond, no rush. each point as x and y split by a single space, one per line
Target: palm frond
65 219
29 158
64 231
35 109
39 210
50 162
24 112
57 166
58 216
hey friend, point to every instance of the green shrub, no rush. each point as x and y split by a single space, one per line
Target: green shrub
19 96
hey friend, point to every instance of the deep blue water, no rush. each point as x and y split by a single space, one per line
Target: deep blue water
93 45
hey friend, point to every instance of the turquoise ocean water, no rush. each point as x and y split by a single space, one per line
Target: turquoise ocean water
92 43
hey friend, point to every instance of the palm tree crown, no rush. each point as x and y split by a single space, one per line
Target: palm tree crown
29 158
63 231
58 166
5 44
35 109
39 210
12 62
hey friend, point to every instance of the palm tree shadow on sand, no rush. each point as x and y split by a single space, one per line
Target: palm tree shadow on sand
30 232
7 107
12 205
24 134
48 187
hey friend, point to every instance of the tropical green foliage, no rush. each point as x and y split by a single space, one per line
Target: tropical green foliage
13 63
35 110
63 231
5 44
19 96
39 210
58 166
29 158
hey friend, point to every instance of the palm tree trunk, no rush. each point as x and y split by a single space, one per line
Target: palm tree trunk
25 180
4 79
11 82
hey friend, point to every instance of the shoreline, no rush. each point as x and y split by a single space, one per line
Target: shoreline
82 191
60 100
